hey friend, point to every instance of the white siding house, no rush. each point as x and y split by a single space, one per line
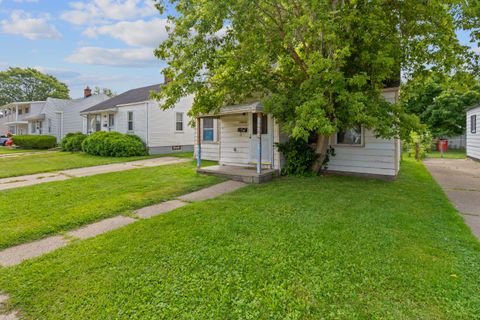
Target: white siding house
133 112
231 138
13 116
473 132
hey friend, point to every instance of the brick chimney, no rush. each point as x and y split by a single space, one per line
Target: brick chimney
87 92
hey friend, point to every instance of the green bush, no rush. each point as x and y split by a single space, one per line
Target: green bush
34 141
424 141
73 142
114 144
299 156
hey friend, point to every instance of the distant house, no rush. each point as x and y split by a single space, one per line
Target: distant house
133 112
56 117
235 135
473 132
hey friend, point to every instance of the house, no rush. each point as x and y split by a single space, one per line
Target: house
134 112
13 116
473 132
242 139
56 117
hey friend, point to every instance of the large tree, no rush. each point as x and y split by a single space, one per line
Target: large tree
317 65
440 101
17 84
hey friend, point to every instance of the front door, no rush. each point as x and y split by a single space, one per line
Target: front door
267 147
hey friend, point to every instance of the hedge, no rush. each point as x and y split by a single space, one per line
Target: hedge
73 142
34 141
114 144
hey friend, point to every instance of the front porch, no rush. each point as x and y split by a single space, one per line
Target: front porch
240 173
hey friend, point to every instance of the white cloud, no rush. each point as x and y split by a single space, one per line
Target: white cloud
24 24
137 57
103 11
138 33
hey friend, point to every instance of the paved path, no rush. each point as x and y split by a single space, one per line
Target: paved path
28 180
460 179
20 154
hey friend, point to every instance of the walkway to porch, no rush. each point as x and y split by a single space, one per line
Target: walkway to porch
238 173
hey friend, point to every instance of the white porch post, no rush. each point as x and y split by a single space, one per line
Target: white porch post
199 144
259 146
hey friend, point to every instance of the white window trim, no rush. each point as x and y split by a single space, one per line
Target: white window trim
183 122
215 131
361 145
128 121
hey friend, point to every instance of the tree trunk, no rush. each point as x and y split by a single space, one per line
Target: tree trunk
321 150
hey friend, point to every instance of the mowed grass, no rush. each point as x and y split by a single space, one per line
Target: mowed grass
33 212
6 150
296 248
450 154
37 163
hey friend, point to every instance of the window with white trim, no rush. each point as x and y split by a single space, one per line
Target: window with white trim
473 123
49 125
130 120
178 121
351 137
207 129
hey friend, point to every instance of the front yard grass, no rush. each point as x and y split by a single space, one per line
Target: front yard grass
296 248
38 163
33 212
6 150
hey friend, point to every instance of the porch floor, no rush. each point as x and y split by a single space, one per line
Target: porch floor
238 173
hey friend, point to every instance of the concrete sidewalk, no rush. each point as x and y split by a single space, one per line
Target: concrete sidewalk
33 179
460 179
20 154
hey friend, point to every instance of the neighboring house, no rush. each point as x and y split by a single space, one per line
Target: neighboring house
13 116
473 132
133 112
231 138
56 117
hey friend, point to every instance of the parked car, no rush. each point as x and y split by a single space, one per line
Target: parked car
3 140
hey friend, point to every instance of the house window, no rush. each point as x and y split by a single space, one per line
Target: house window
352 136
111 120
20 111
473 123
179 121
207 131
49 125
98 123
27 110
264 123
130 120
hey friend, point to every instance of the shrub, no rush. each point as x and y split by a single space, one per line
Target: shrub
299 156
34 141
114 144
424 141
73 142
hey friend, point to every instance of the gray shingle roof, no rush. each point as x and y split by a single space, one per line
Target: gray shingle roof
131 96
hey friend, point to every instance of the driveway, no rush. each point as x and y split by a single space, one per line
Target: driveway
460 179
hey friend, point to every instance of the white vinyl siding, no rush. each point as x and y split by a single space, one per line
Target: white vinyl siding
473 133
234 145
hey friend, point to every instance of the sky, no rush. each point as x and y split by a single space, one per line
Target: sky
104 43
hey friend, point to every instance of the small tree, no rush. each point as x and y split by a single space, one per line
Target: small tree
17 84
317 66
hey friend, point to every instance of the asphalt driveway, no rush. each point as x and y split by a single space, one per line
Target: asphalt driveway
460 179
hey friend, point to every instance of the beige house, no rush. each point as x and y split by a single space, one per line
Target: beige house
242 139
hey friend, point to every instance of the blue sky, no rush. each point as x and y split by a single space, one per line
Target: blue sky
105 43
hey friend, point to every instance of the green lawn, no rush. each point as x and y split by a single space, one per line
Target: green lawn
296 248
450 154
18 166
5 150
33 212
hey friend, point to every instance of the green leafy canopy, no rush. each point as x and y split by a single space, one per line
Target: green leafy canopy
317 65
17 84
